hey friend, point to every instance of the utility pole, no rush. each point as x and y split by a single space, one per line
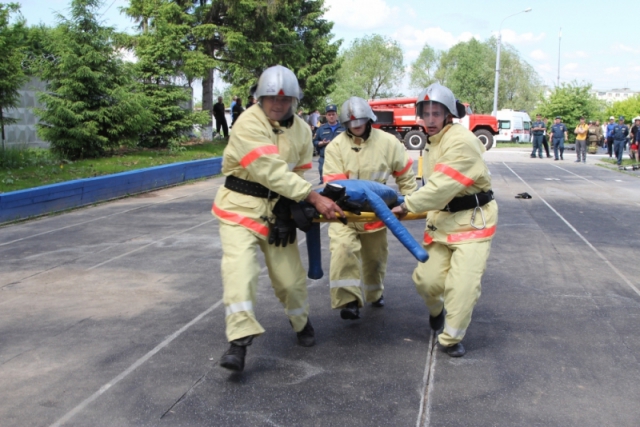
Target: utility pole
559 40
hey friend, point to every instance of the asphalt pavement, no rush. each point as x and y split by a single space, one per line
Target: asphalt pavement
112 316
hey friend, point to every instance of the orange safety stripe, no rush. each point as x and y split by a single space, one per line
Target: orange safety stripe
427 238
253 155
451 172
406 168
307 166
334 177
241 220
368 226
469 235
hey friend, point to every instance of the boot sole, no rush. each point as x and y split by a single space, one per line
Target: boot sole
349 315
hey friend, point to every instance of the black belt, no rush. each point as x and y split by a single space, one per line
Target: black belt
469 202
250 188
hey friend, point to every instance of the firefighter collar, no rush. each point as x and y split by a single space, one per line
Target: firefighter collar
435 139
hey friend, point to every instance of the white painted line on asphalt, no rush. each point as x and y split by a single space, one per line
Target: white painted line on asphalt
581 177
133 367
424 413
143 359
597 252
149 244
105 216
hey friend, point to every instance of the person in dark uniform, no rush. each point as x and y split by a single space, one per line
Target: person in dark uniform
221 120
250 101
538 129
559 134
609 135
325 134
619 134
545 137
236 110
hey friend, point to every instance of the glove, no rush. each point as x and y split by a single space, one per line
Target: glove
283 230
338 194
303 215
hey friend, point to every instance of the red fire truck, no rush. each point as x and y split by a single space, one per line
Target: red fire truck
398 117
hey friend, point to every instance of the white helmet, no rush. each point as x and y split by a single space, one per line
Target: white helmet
356 112
279 81
443 95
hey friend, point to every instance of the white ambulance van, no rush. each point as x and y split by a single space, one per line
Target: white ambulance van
513 126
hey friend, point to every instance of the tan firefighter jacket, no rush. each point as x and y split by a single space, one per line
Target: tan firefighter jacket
262 151
454 167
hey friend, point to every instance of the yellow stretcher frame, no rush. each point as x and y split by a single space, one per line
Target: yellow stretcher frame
371 217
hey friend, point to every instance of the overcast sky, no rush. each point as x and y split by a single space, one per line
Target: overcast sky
600 42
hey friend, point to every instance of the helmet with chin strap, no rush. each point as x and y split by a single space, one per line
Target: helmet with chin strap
356 112
442 95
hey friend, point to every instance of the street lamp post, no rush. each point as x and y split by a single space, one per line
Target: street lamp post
495 87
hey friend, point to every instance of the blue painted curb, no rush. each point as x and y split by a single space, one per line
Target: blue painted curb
71 194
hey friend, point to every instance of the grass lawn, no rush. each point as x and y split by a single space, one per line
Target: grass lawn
626 161
30 168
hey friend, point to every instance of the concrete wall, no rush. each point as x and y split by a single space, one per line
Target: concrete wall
22 204
24 133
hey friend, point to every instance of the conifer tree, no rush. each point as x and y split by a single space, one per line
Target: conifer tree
93 105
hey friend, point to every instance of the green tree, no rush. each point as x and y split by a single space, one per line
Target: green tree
246 36
467 69
520 86
570 101
12 77
164 61
371 66
92 103
423 69
629 108
36 49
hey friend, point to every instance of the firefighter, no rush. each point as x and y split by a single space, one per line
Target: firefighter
359 251
461 218
264 162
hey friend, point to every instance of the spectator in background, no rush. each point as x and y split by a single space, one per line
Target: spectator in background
545 138
326 133
236 111
538 129
594 134
314 118
233 104
609 135
619 135
221 120
635 139
558 137
251 101
581 140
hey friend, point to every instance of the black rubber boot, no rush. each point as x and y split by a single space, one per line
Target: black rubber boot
350 311
379 303
456 350
233 359
307 336
437 322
